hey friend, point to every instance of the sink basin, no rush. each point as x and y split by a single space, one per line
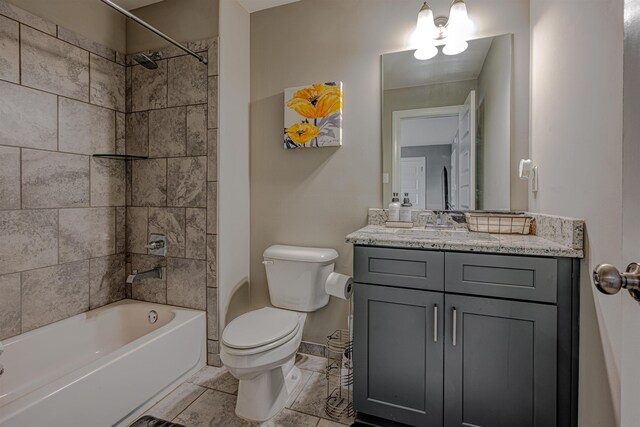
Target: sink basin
449 234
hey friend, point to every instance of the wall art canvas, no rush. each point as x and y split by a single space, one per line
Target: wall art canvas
313 115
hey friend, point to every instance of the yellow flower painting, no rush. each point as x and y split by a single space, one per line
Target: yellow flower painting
313 115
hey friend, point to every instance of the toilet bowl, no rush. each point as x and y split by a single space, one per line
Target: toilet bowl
259 347
266 370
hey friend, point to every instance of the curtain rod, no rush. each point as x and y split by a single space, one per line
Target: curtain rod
153 29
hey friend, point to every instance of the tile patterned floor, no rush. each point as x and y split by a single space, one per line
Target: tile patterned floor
208 399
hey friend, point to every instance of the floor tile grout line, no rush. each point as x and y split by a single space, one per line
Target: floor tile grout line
186 407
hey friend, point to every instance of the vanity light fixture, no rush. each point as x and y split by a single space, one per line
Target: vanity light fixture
454 29
426 33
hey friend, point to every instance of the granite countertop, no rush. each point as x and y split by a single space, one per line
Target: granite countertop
556 237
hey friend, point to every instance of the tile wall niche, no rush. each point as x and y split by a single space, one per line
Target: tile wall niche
73 226
172 118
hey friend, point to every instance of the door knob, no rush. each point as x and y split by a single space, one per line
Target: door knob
609 280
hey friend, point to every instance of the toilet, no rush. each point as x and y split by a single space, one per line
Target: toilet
259 347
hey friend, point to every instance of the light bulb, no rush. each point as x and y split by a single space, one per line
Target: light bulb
455 46
425 52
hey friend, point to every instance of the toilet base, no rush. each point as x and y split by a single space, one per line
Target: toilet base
262 397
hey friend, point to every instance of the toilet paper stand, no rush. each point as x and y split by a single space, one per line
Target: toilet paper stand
339 374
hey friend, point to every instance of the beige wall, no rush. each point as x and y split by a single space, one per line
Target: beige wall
315 197
494 92
182 20
576 139
90 18
233 147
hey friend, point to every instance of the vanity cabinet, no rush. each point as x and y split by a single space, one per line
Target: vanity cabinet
464 339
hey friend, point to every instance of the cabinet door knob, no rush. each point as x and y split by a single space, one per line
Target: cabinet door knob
610 281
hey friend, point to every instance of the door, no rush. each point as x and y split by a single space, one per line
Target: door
500 363
467 154
397 351
630 335
413 180
454 172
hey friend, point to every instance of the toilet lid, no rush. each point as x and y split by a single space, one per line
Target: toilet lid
259 327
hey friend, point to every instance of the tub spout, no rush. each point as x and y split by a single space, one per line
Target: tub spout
155 273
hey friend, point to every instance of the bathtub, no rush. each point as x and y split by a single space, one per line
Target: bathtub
104 367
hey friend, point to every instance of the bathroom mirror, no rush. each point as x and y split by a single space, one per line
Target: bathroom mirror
446 127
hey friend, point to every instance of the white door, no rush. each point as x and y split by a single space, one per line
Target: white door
454 173
630 337
467 154
413 181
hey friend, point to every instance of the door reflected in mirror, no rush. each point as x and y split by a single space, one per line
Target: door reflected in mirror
447 127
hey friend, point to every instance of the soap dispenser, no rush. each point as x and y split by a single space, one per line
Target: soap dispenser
394 208
405 209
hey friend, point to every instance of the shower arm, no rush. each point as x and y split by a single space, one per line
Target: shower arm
153 30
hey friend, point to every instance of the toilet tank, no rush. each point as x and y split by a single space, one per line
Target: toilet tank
296 276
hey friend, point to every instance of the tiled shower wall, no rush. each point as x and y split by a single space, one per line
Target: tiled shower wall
172 119
72 225
62 212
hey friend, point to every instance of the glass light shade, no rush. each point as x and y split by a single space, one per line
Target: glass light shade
425 52
455 46
459 23
425 28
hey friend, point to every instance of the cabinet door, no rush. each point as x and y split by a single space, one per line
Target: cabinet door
500 363
398 350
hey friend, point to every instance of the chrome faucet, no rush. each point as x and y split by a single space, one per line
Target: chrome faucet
154 273
437 220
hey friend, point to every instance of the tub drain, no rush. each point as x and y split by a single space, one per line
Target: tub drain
153 316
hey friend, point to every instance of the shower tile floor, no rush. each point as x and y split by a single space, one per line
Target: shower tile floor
208 399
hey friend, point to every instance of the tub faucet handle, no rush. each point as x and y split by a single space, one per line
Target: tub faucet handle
156 244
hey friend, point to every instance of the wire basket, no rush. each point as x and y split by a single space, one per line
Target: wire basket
339 374
499 223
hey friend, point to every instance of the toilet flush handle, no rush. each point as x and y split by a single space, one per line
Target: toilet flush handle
267 262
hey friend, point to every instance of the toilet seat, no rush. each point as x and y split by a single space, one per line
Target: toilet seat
260 330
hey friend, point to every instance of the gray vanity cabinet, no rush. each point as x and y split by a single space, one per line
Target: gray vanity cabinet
399 362
459 339
500 363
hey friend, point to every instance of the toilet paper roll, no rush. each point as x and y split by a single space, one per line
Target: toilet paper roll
339 285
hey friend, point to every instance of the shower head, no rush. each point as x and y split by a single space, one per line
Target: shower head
147 61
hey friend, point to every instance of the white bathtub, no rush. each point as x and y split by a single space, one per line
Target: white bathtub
100 368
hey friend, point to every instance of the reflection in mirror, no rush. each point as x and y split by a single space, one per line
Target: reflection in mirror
447 127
